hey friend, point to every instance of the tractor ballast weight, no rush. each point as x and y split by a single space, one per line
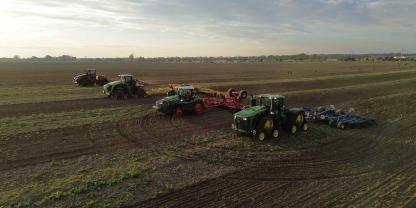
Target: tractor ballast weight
268 117
90 78
182 99
124 88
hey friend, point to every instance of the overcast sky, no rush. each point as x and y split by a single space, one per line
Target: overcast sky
116 28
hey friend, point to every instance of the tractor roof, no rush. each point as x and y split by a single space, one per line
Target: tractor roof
186 87
272 96
125 75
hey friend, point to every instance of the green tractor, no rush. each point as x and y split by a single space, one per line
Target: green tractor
181 99
267 117
125 87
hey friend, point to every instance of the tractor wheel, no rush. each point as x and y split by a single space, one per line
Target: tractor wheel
293 129
199 108
242 95
275 134
300 119
305 127
140 92
231 92
119 94
265 128
262 135
178 112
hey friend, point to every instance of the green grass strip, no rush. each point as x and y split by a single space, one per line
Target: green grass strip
38 122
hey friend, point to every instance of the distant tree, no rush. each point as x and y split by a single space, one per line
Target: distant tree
16 57
131 57
48 57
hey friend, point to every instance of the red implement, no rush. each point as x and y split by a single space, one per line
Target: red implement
233 102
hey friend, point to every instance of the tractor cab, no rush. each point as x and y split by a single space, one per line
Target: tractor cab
273 103
185 92
91 72
126 78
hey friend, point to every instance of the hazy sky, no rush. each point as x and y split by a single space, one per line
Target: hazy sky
116 28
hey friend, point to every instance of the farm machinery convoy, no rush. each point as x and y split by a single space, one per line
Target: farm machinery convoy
264 117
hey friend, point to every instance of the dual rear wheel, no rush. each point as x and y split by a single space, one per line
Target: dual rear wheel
198 108
269 128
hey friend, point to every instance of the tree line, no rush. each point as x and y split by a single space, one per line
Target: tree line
222 59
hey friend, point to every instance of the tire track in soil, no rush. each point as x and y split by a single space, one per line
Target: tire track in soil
70 105
362 149
132 139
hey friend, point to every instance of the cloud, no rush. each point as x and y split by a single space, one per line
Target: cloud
267 22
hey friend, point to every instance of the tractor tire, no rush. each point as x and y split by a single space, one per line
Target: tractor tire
305 127
140 92
293 129
178 113
119 94
276 133
265 128
231 92
261 135
242 95
300 119
199 108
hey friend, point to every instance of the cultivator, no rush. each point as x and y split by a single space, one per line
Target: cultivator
336 118
234 100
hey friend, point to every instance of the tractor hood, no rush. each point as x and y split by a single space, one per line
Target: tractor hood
173 98
250 112
107 87
113 83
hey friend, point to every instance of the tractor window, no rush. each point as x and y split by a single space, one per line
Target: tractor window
265 101
91 72
184 93
126 79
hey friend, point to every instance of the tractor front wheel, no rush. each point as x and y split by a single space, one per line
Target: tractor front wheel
264 128
199 108
178 112
118 95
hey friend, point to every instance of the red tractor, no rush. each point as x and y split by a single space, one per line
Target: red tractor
90 78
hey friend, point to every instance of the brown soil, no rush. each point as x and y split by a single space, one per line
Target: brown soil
324 168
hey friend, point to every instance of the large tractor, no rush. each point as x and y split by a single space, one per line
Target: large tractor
181 99
125 87
90 78
267 117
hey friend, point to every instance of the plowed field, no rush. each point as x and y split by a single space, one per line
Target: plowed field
62 146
